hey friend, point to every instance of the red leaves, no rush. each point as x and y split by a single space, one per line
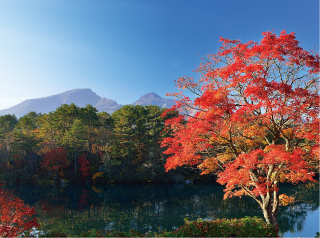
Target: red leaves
84 168
255 116
185 82
55 159
15 216
214 99
292 167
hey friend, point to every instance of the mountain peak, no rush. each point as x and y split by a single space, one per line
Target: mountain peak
151 95
74 91
154 99
77 90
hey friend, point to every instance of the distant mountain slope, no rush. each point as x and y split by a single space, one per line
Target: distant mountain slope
80 97
154 99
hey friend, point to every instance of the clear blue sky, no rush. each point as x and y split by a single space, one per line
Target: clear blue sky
122 49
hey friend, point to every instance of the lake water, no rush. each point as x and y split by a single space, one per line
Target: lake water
77 208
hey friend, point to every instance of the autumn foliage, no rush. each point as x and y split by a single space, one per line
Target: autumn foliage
84 168
254 120
55 159
15 216
96 175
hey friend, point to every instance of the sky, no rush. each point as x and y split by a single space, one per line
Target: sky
123 49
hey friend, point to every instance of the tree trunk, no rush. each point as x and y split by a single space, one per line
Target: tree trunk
270 217
55 175
75 161
270 208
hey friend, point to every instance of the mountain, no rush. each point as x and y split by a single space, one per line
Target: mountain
107 105
80 97
154 99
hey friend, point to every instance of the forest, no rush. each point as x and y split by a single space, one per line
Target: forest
80 144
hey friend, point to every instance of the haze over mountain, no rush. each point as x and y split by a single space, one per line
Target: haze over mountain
80 97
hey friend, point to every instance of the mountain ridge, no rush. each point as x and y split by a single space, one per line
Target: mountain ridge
80 97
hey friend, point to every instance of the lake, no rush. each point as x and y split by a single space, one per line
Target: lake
76 208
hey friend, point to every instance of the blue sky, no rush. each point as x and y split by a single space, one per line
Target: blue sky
122 49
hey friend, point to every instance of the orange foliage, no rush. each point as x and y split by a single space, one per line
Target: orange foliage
98 174
285 200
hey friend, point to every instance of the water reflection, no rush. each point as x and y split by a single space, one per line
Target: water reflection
78 208
292 218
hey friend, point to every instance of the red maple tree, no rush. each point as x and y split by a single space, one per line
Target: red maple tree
15 216
84 168
55 160
254 120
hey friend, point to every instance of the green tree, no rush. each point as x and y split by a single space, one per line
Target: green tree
90 119
26 139
136 131
122 144
75 138
7 125
104 130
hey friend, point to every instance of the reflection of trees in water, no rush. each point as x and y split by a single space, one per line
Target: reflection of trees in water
166 206
292 217
146 207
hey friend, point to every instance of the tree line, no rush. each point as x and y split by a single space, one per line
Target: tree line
81 144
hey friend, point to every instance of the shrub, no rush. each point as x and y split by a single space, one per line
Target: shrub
245 227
